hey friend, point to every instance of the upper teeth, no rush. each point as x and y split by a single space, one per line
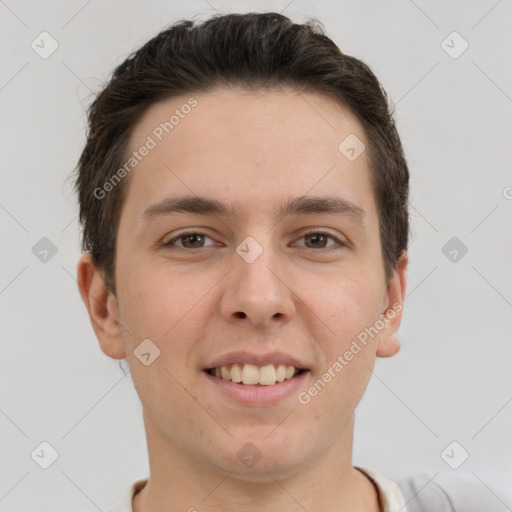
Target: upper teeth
253 374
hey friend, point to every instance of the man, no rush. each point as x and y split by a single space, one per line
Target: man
243 193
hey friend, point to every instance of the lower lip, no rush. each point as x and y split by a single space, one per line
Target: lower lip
257 394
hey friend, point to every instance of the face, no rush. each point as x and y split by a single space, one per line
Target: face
277 266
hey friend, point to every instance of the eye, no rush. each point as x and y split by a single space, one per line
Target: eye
196 240
191 240
319 240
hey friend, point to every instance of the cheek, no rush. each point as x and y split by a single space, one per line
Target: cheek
167 307
167 312
346 305
347 309
154 301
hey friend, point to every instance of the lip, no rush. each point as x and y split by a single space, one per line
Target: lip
257 394
257 359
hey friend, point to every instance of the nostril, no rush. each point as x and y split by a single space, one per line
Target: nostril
240 314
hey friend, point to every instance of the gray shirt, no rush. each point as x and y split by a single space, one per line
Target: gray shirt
451 493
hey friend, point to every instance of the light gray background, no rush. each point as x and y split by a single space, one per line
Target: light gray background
452 380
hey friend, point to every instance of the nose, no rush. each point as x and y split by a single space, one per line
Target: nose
257 293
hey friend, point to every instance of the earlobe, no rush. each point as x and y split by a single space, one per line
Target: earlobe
388 344
101 306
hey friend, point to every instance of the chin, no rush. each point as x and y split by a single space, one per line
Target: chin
259 454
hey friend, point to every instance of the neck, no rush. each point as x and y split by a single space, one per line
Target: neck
180 483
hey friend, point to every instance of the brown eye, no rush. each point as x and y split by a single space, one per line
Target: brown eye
316 240
320 240
192 241
189 241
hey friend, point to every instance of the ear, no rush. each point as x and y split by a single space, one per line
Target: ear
101 306
388 344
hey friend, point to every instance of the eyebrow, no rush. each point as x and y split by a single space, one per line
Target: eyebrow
303 205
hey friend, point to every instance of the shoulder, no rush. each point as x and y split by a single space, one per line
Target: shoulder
446 492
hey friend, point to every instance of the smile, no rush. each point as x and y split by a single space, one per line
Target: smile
251 374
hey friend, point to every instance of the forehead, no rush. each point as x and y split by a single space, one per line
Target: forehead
230 142
300 121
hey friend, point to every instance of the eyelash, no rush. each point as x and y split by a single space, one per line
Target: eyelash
170 243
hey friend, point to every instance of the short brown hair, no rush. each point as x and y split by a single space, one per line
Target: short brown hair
257 52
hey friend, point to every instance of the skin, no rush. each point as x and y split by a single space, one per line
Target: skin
309 300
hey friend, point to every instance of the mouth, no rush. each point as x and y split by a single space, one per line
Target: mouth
246 374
